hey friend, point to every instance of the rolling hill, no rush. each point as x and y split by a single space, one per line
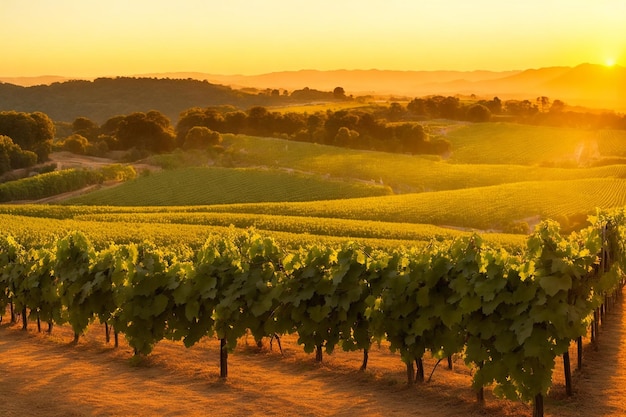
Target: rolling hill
584 85
349 184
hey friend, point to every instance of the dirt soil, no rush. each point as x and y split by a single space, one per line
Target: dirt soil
46 375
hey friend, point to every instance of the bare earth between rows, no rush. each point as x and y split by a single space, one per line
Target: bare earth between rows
45 375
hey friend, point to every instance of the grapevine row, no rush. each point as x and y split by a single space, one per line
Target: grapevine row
509 315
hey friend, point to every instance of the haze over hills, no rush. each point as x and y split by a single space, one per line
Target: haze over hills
588 85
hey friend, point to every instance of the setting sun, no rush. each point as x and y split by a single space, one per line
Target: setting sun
609 62
118 37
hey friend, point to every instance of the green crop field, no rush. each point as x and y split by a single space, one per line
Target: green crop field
493 181
403 173
480 208
508 143
226 186
191 225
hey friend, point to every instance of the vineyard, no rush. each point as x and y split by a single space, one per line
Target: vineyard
214 185
362 260
508 315
478 208
311 180
190 226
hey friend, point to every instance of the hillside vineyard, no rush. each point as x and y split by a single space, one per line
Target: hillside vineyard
509 315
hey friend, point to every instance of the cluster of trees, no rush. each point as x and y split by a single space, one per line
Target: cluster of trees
25 139
150 132
393 128
356 128
104 98
201 128
541 111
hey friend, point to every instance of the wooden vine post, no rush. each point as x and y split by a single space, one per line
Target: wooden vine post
568 374
538 406
223 359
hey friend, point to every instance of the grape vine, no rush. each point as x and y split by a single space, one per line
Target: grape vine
509 315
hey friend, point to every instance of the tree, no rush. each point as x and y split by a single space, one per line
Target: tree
478 113
346 137
418 106
448 108
339 93
337 120
147 131
557 106
85 128
258 122
235 121
200 137
494 106
5 148
111 125
411 137
520 108
76 144
30 131
14 157
543 103
395 112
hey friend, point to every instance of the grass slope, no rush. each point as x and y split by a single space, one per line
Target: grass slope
407 173
225 186
482 208
297 187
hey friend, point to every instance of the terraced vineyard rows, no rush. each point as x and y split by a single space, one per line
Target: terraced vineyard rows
225 186
405 173
31 230
481 208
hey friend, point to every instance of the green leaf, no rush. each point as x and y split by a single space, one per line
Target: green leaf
159 304
192 308
318 313
552 284
523 327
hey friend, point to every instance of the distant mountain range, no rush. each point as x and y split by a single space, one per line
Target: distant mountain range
587 85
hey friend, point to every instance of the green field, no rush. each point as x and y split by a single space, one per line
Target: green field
214 185
498 177
407 173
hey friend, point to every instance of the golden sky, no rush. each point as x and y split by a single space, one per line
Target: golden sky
88 38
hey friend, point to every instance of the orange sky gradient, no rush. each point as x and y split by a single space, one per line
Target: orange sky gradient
90 38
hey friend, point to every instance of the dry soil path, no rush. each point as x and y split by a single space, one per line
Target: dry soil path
43 375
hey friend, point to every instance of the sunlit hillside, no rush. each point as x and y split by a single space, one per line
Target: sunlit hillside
498 177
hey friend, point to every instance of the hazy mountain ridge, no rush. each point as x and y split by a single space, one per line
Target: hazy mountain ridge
584 85
103 98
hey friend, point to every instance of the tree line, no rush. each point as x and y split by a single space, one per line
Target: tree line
27 138
198 128
540 111
104 98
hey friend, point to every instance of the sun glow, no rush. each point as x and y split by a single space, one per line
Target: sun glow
121 37
609 62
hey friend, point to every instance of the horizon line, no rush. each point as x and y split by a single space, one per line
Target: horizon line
86 77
